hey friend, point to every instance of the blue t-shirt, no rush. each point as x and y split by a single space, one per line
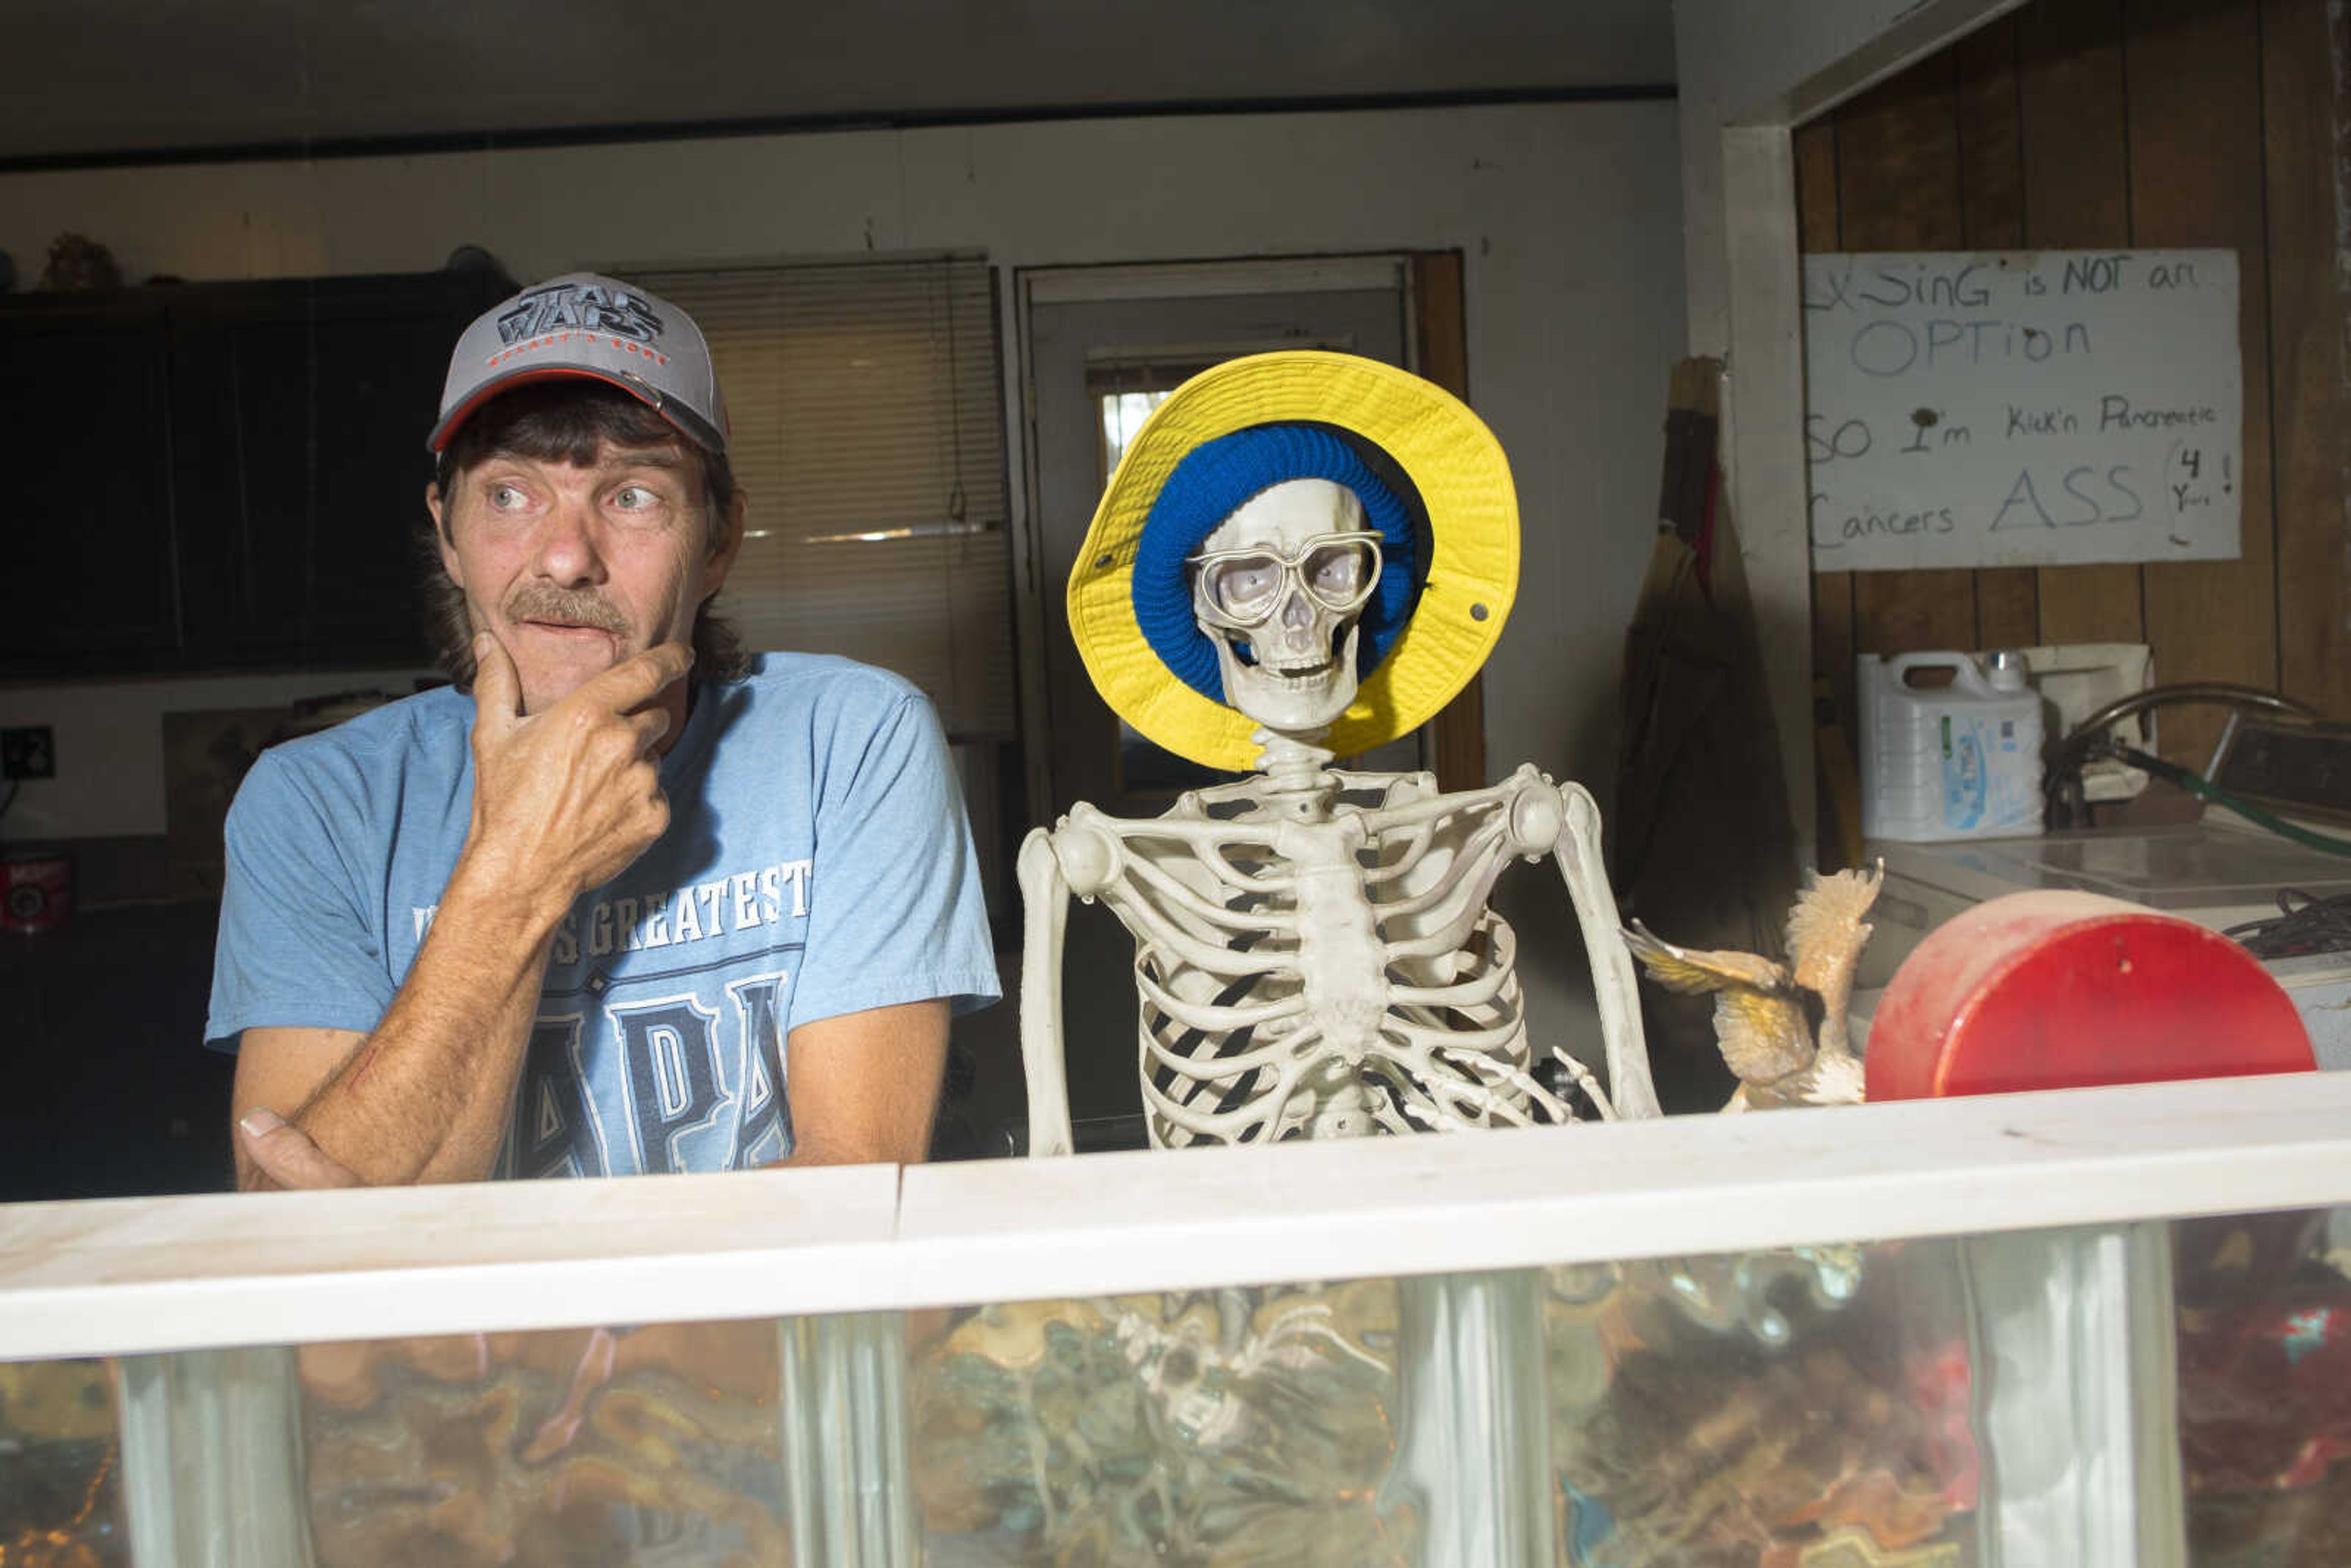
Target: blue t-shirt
817 862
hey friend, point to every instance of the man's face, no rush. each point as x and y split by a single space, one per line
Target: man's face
574 569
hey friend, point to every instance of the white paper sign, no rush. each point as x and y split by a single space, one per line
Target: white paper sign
2023 408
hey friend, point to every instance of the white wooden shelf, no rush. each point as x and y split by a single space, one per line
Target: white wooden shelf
121 1276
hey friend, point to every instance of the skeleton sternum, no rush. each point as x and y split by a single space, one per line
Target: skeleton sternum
1340 959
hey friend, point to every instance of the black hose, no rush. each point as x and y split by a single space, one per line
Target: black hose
2195 783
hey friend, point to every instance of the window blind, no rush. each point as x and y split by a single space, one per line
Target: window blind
866 428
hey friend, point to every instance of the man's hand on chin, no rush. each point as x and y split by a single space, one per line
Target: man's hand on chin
285 1154
563 799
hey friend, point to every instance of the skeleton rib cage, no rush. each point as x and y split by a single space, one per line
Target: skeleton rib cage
1313 974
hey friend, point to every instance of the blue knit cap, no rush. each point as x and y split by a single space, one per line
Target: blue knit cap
1208 486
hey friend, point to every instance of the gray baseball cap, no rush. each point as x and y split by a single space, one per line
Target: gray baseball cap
583 324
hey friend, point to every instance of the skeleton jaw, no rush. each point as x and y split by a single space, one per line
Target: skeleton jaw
1293 690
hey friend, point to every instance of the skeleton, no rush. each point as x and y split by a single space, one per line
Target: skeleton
1316 956
1313 946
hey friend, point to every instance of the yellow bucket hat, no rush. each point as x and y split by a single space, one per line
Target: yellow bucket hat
1465 582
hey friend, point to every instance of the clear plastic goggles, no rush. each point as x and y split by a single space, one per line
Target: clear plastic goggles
1244 588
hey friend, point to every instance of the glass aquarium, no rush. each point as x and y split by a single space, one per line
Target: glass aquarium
2096 1327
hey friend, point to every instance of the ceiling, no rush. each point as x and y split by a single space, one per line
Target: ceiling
94 78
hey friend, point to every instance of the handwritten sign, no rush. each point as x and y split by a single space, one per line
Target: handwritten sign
2023 408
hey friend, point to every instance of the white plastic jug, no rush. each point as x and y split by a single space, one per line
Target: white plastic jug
1961 760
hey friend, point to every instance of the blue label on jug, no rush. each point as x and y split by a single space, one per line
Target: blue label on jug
1963 775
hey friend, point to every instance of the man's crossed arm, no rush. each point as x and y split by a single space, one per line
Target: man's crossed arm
865 1090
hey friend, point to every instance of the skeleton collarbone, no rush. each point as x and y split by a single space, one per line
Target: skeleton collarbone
1323 966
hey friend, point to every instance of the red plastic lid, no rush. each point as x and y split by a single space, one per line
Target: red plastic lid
2062 991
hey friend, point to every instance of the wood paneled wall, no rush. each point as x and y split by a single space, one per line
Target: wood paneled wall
2117 124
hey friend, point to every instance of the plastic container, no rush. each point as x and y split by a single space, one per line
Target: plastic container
2054 990
1950 747
36 892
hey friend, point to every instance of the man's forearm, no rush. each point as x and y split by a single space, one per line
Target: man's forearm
808 1152
866 1085
425 1096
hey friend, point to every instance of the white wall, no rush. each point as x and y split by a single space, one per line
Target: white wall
1747 73
109 742
1738 62
1568 216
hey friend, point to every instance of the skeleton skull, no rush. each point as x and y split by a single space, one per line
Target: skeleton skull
1278 588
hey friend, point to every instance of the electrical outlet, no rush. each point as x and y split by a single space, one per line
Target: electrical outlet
29 751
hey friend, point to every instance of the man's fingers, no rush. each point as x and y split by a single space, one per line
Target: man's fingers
633 683
286 1155
650 724
498 689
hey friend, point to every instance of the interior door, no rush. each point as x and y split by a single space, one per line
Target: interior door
1097 367
1103 347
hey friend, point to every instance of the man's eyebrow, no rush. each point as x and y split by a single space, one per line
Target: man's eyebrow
648 457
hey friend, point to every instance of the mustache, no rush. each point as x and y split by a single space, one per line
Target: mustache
543 600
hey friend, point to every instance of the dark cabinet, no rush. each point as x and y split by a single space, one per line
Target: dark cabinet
109 1094
225 476
88 557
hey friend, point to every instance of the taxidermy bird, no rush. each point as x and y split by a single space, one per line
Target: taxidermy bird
1781 1027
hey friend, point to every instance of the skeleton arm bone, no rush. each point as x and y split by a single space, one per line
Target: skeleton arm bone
1613 984
1045 902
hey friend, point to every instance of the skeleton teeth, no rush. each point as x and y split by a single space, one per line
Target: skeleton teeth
1292 671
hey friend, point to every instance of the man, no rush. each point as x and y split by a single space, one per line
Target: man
619 901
